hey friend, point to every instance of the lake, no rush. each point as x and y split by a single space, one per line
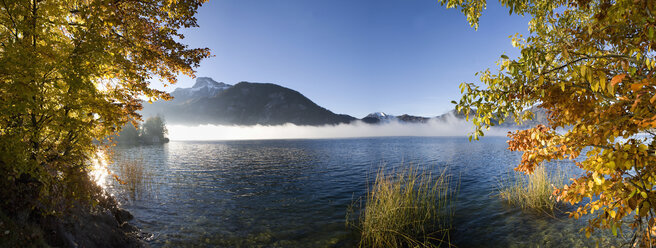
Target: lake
295 193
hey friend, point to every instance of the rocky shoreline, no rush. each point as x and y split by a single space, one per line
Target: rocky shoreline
104 225
101 227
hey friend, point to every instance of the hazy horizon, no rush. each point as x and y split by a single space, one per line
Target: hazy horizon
449 127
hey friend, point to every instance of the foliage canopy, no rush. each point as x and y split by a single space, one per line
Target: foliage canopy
590 64
71 73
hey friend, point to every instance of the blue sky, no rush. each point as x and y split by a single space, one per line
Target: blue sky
353 57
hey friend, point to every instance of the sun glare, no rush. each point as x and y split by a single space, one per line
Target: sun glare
99 169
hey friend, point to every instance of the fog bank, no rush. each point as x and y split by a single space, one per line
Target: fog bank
450 127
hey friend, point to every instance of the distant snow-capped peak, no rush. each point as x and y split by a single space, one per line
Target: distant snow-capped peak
380 116
208 82
204 87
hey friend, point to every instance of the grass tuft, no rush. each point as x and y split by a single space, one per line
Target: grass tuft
534 191
406 209
135 179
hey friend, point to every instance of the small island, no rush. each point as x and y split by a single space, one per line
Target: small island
152 131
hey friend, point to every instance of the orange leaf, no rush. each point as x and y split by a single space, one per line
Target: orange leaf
653 99
617 79
636 87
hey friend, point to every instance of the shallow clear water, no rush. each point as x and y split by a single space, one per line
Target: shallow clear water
294 193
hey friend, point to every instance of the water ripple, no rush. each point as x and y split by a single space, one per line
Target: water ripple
294 193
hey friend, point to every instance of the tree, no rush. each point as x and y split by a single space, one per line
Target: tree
71 73
128 134
154 128
590 64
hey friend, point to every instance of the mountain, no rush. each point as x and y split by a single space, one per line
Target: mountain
412 118
204 87
211 102
245 103
378 117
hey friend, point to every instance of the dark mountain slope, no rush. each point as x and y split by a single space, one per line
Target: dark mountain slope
253 103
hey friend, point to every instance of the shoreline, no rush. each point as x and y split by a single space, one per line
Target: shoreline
84 225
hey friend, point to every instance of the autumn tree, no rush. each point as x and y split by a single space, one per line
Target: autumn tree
71 72
590 65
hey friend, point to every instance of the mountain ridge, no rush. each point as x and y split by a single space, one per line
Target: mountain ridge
249 103
244 103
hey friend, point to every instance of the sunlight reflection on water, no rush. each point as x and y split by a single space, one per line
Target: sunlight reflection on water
99 169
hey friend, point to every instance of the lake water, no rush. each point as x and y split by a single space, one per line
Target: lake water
294 193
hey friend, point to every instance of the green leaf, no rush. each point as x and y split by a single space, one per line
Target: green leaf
614 229
632 194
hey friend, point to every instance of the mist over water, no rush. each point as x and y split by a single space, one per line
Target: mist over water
450 127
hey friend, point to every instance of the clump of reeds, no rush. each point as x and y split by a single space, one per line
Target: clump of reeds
135 178
534 191
407 209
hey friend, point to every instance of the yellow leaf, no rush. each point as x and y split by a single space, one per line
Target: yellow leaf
648 63
653 99
588 76
594 86
611 164
583 71
598 180
602 80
